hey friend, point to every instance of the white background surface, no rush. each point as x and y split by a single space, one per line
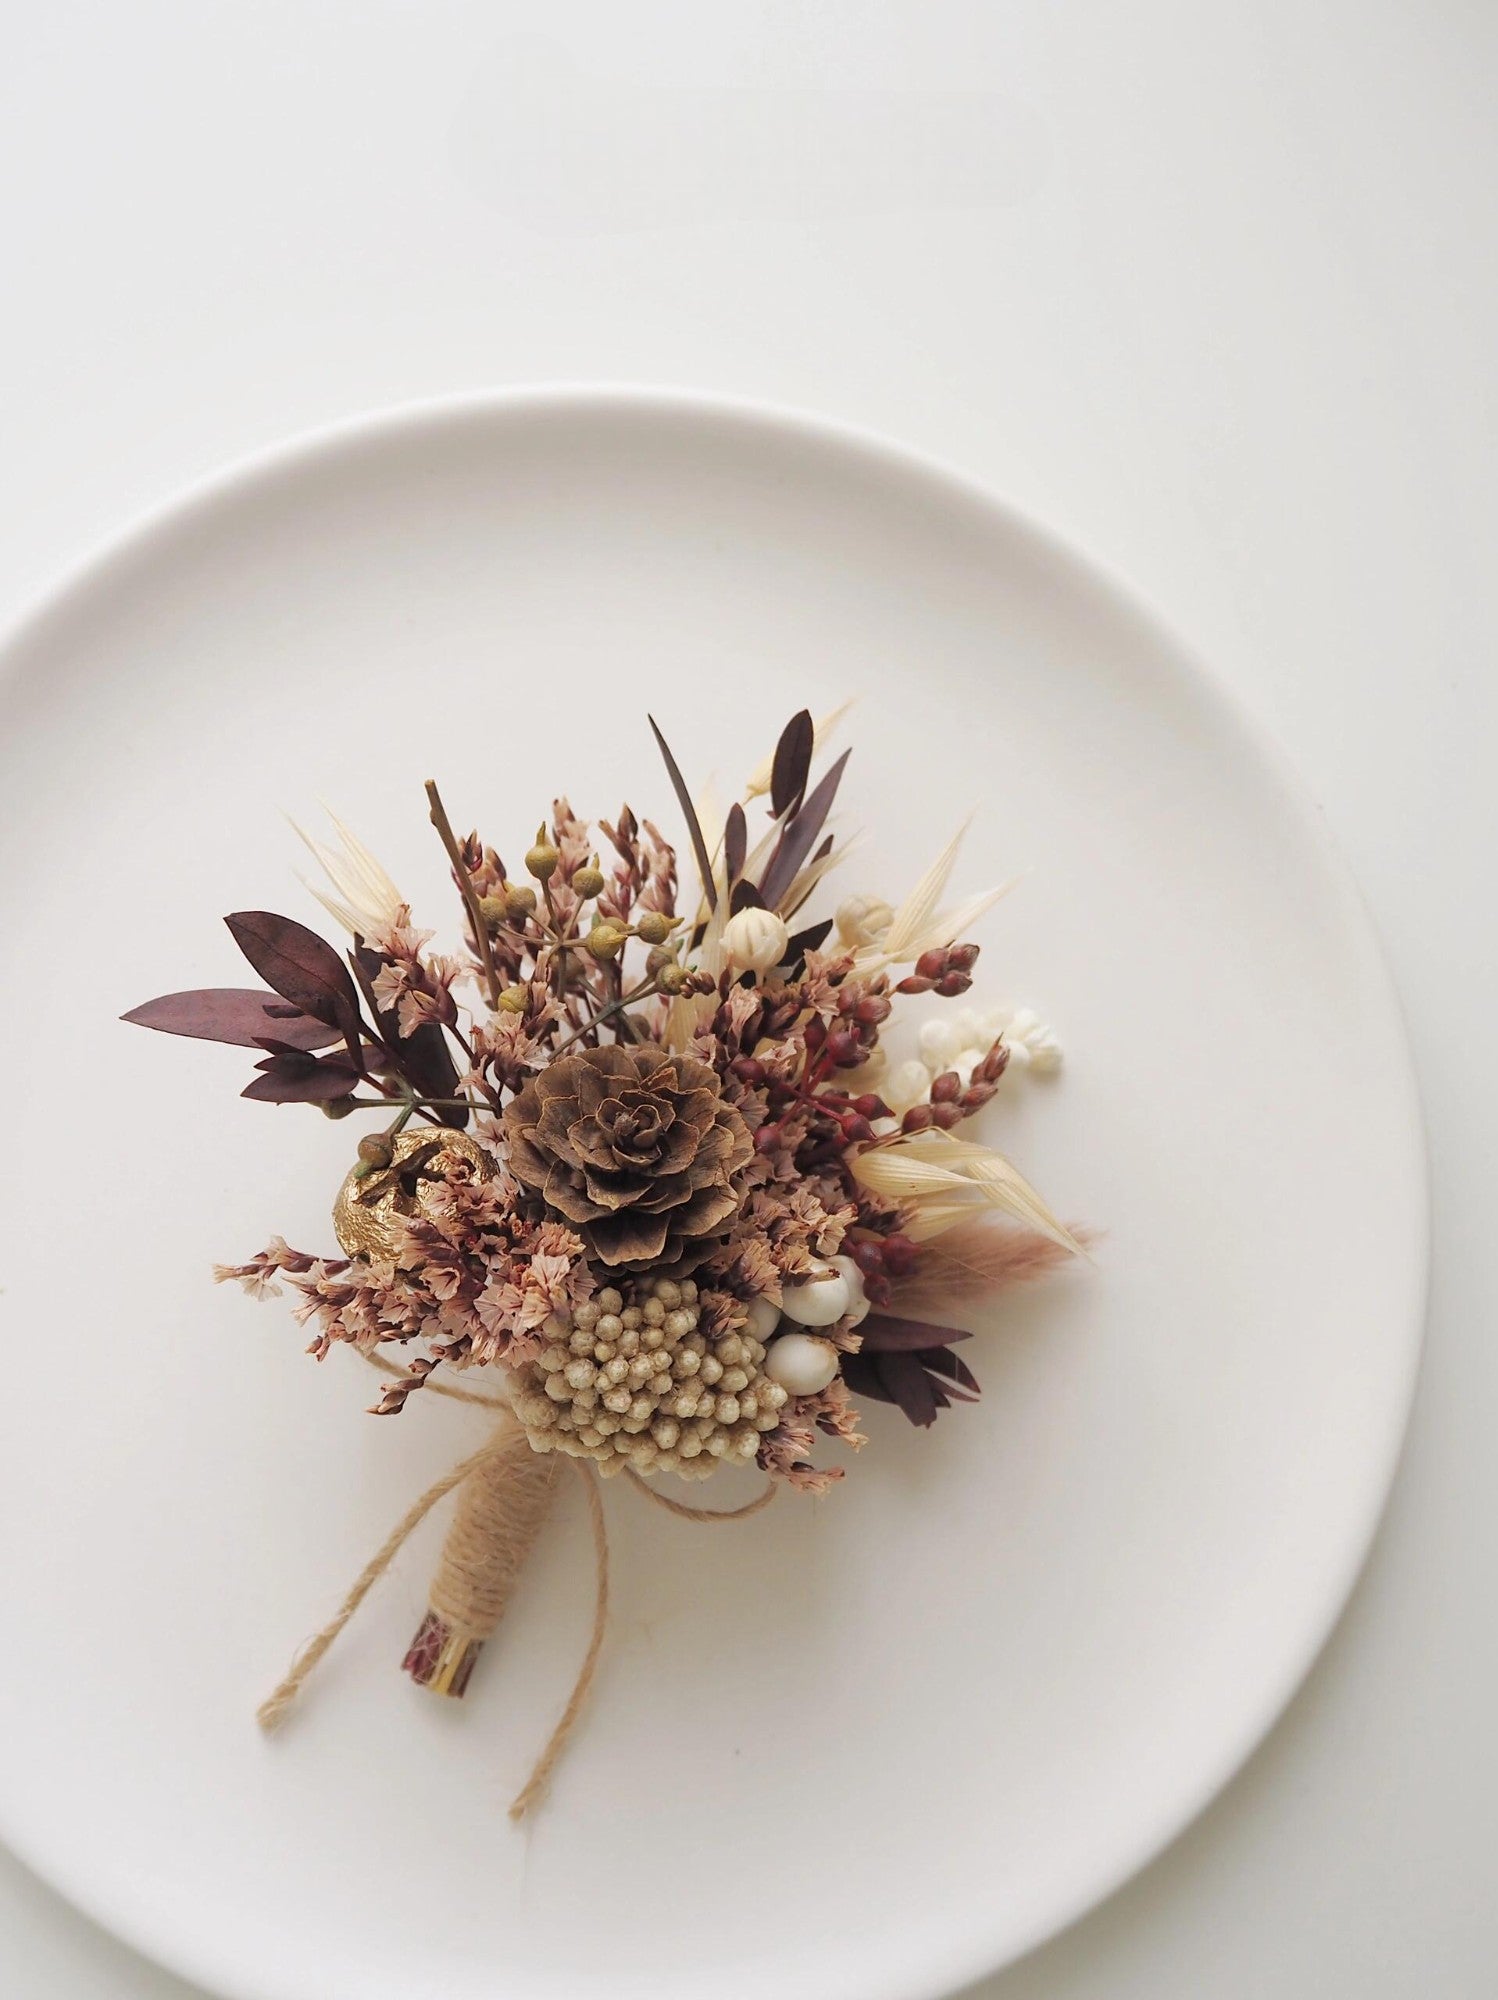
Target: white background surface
1211 290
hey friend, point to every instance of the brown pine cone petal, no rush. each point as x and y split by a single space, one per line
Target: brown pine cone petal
635 1147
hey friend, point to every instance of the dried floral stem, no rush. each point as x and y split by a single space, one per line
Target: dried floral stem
446 1390
361 979
445 833
417 1103
641 992
557 969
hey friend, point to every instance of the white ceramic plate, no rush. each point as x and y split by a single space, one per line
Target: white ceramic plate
868 1747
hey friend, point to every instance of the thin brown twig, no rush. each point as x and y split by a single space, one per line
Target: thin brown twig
445 832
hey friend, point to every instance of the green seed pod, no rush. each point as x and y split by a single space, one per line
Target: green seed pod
376 1149
338 1107
542 859
589 881
513 1000
655 927
604 941
520 902
493 911
671 978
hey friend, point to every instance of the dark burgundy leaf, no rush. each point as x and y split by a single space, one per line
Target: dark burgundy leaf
302 967
745 897
886 1333
799 836
689 812
297 1062
792 763
735 842
911 1387
911 1381
862 1377
960 1380
427 1065
302 1079
811 939
821 855
240 1015
423 1058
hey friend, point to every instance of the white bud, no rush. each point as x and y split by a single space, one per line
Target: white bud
858 1304
968 1029
907 1084
802 1364
863 920
764 1317
1031 1042
939 1043
755 940
817 1300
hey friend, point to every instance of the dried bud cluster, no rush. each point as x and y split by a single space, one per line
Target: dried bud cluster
632 1381
952 1100
946 970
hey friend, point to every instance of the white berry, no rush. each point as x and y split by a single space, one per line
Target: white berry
858 1304
817 1300
764 1317
939 1043
801 1363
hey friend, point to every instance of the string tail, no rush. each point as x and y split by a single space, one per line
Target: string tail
535 1787
501 1507
276 1704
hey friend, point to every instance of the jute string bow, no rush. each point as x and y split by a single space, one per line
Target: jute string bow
505 1491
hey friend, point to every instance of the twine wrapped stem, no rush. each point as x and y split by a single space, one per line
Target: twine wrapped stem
505 1492
501 1507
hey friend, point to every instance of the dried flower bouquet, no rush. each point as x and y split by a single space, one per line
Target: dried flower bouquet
646 1161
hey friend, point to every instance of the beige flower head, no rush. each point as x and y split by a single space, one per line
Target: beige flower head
755 940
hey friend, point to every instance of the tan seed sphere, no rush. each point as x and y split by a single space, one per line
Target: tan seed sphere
631 1381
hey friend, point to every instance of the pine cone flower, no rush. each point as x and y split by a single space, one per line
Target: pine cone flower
635 1148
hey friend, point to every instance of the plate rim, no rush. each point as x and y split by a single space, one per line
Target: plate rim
988 1950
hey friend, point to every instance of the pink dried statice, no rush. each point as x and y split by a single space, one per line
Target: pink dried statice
472 1279
414 984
